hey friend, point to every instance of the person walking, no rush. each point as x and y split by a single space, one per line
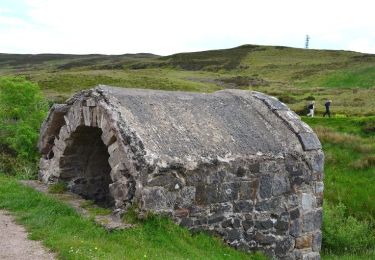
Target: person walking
311 108
327 105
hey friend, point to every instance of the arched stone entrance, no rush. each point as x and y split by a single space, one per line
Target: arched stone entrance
82 149
84 166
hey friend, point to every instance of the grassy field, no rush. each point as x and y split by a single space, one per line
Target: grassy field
295 76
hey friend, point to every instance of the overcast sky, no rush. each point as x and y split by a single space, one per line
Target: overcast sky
172 26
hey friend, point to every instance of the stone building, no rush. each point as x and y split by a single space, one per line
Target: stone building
236 163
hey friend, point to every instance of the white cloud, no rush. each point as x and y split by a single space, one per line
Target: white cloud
166 26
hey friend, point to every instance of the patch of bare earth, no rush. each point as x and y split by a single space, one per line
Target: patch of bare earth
14 244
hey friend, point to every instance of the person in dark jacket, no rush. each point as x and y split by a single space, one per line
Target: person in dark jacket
327 105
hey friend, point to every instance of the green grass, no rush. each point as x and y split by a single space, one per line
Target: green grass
95 209
348 125
74 237
360 77
57 188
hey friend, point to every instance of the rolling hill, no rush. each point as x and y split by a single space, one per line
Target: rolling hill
293 75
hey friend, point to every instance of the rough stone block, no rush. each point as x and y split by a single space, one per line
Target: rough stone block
308 201
116 158
166 179
200 221
228 192
264 239
154 198
187 222
216 177
187 195
280 185
86 116
248 224
231 223
90 102
316 160
232 235
243 206
216 218
206 194
265 186
312 220
319 187
113 147
226 207
273 205
108 137
171 198
282 223
294 122
295 228
309 141
283 246
271 166
263 224
248 190
94 116
118 172
64 133
311 256
294 213
272 102
317 241
304 241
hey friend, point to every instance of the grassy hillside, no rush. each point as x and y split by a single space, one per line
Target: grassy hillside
293 75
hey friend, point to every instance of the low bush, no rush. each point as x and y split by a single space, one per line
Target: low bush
345 234
22 109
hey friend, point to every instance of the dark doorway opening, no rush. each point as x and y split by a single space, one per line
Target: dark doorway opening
84 166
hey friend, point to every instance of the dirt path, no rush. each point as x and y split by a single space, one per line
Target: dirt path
14 244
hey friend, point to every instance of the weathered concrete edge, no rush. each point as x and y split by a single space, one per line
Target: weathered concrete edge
305 134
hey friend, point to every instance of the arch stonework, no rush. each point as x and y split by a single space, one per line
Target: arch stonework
236 163
91 114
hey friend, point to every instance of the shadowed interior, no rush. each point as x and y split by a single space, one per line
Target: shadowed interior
84 166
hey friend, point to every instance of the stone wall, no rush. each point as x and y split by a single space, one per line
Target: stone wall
264 195
258 203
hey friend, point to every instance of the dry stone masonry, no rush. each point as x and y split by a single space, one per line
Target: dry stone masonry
235 163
